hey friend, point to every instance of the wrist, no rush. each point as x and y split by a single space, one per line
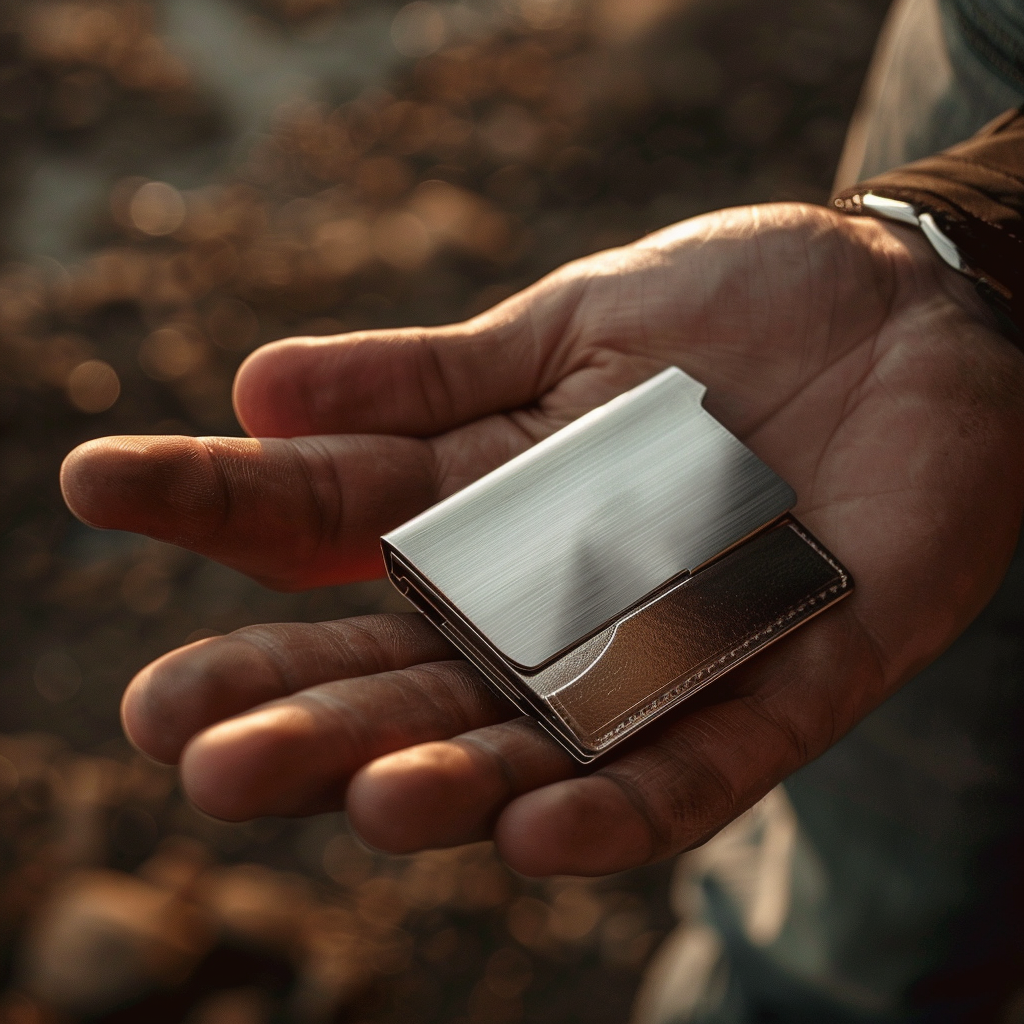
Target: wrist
969 200
915 264
940 274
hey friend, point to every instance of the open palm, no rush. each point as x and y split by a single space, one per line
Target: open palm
840 350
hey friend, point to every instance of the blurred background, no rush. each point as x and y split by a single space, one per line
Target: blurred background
183 180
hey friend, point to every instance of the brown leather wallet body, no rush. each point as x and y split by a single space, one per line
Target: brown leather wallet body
617 567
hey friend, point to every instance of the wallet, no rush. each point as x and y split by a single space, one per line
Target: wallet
617 567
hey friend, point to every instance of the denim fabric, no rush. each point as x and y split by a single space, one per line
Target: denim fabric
905 885
993 30
917 821
928 88
903 888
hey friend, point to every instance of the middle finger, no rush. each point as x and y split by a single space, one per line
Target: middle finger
196 686
296 755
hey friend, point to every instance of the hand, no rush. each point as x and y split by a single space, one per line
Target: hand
839 349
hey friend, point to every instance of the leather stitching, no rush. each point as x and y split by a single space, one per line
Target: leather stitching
717 666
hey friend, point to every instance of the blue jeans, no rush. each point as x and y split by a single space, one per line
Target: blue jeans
928 87
885 883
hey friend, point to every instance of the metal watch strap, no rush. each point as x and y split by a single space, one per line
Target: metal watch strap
969 203
905 213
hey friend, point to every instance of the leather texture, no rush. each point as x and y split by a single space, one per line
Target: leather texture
676 643
975 192
684 639
618 566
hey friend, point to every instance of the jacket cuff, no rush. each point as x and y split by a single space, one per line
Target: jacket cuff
974 194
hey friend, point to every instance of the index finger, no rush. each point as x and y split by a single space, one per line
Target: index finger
291 513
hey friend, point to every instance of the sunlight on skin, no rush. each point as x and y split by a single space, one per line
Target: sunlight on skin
869 376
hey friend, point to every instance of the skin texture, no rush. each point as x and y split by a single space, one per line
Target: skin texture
840 350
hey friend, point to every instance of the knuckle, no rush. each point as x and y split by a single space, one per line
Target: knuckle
374 642
316 467
437 392
682 795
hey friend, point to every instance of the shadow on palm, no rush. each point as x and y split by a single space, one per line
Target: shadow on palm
855 365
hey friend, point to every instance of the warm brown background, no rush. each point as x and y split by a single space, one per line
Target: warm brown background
181 180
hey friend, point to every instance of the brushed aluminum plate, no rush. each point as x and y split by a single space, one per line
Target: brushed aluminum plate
555 544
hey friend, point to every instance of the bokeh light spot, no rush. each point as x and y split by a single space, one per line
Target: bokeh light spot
93 386
157 209
169 354
57 676
418 29
401 239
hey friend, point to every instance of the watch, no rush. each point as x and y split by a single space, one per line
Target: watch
968 201
906 213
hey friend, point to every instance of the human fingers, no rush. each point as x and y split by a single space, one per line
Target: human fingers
467 781
297 754
698 295
298 513
671 787
687 778
417 382
194 687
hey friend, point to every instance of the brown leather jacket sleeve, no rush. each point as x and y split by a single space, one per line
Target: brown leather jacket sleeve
975 192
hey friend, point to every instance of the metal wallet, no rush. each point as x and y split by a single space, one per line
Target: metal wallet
618 566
